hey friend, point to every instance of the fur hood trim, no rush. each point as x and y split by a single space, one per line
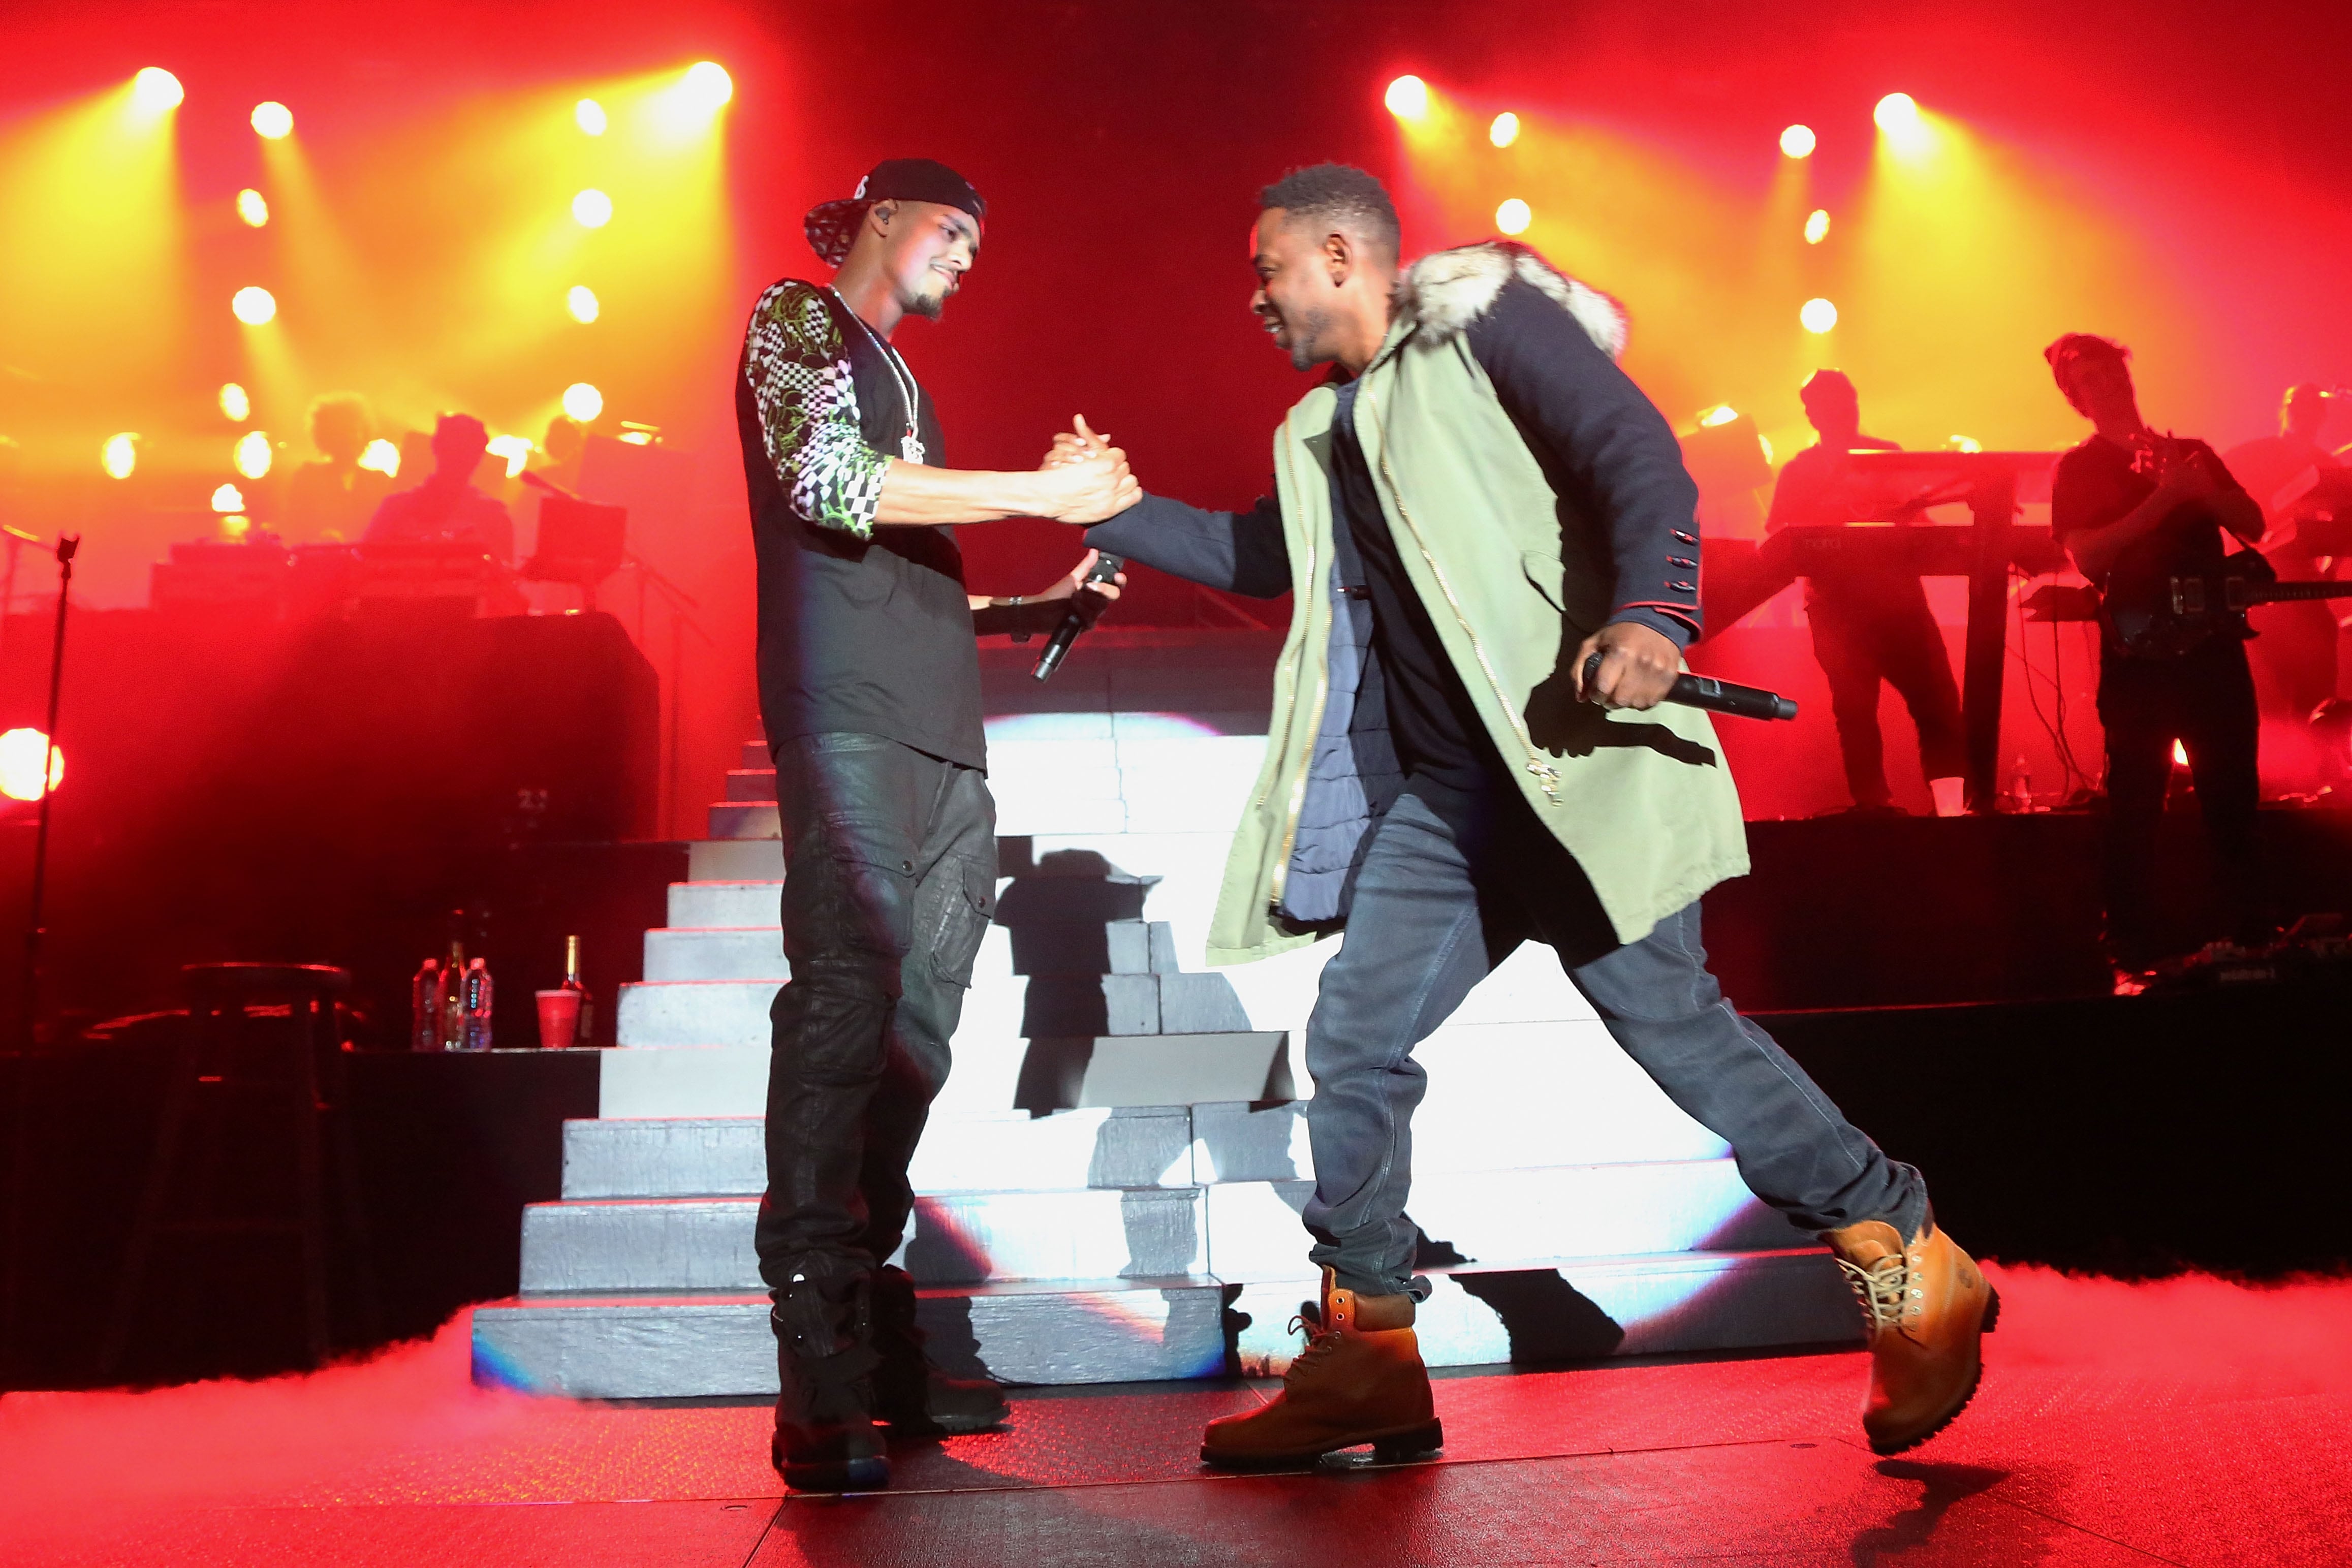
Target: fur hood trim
1445 292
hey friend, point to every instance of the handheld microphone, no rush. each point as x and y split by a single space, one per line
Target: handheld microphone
1108 567
1715 696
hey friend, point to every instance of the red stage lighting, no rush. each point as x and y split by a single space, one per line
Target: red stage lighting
22 753
1408 98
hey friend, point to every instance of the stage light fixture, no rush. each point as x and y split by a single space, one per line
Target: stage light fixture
254 305
1721 414
589 115
582 401
228 497
1512 217
709 84
2179 755
1798 142
1408 98
273 121
252 208
234 527
234 403
583 302
1817 225
252 455
120 455
1817 315
1505 131
1896 112
515 449
22 755
591 208
382 456
157 89
1962 443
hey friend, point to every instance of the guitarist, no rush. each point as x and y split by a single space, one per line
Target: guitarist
2135 509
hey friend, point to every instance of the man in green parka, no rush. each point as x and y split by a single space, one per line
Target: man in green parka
1471 505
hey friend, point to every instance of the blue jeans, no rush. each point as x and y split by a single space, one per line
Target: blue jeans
1443 896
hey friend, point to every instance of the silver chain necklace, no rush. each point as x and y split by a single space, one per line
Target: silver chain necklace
910 445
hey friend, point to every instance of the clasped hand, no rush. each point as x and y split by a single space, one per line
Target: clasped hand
1086 478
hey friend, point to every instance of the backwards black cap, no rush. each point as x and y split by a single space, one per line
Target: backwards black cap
832 225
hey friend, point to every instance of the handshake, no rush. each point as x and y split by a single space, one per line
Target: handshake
1084 479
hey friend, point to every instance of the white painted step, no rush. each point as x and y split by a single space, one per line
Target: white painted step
710 1345
1565 1308
1512 1217
696 1011
735 861
716 952
705 1244
726 1156
751 784
726 903
745 819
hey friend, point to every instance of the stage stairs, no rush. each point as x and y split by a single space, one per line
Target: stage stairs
1110 1182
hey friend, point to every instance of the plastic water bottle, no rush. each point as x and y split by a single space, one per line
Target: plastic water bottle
2020 788
424 1008
450 1001
477 1007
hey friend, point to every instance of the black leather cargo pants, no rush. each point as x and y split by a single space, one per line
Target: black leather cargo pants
889 884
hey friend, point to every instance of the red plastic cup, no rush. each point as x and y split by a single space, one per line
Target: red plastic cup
558 1019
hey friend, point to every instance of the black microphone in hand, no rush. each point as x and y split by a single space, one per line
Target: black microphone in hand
1108 567
1715 696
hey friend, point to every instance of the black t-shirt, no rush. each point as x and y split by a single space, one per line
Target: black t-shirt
861 627
1809 491
2096 485
1438 733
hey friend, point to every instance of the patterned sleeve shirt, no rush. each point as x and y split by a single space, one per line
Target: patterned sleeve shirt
799 370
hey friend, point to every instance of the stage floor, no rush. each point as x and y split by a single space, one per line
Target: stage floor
2188 1422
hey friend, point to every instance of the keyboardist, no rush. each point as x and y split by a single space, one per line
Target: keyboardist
1871 623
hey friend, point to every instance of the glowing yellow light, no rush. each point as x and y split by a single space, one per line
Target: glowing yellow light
120 455
2180 754
1505 131
228 497
1817 315
1798 142
709 84
515 449
1897 111
1817 225
1408 98
1512 217
234 527
22 754
636 437
383 457
157 89
254 305
252 455
1721 414
252 208
582 401
582 300
273 120
589 115
235 405
1765 447
1963 444
592 209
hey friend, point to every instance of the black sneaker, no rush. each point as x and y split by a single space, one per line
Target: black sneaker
825 1437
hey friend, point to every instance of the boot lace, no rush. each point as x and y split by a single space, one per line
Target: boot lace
1880 1288
1319 1346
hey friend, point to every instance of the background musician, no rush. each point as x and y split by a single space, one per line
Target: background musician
1870 622
2135 510
2295 656
447 505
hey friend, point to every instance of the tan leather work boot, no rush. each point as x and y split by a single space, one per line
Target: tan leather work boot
1927 1306
1360 1380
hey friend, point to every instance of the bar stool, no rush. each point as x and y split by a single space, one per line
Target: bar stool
261 1059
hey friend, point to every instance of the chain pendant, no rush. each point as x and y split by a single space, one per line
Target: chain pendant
910 447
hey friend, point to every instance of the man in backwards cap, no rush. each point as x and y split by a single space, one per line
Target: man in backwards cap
870 690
